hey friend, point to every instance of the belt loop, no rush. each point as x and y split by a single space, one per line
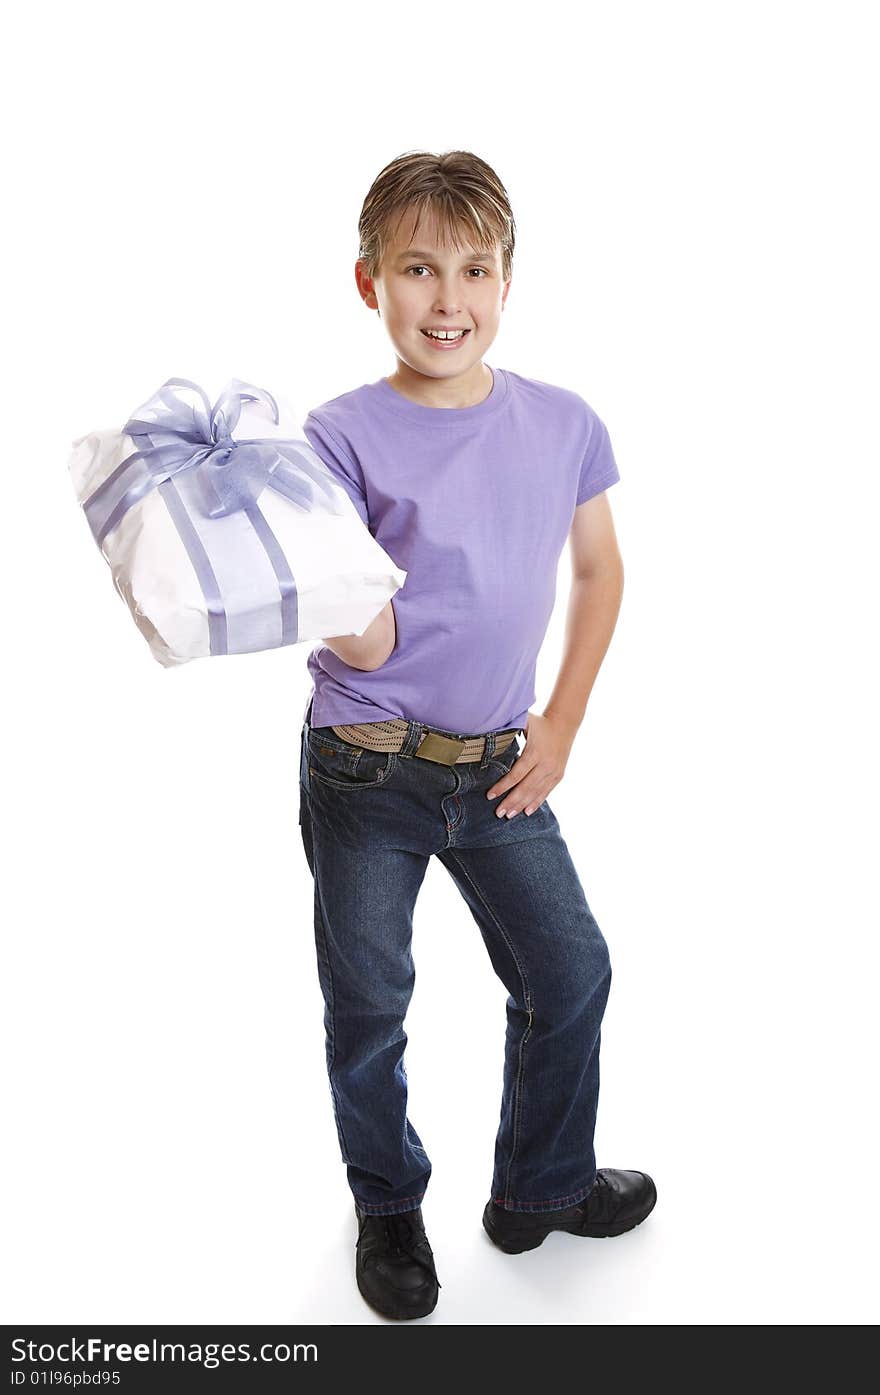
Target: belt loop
412 739
488 749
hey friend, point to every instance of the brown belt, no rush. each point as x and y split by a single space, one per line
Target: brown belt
434 745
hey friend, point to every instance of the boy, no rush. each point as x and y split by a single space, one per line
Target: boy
471 478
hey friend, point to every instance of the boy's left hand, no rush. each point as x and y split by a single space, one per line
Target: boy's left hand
538 768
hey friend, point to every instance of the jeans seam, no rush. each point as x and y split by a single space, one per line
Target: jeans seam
332 996
519 1084
556 1202
367 1206
346 787
499 765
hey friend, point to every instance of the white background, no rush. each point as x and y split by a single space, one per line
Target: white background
694 189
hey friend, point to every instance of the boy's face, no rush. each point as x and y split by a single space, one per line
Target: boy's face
422 285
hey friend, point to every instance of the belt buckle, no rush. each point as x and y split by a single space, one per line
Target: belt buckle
444 749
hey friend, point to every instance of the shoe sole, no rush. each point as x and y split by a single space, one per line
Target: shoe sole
517 1242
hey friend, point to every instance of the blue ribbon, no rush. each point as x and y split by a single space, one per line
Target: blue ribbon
175 438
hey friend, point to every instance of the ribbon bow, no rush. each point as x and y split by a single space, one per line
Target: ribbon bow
173 436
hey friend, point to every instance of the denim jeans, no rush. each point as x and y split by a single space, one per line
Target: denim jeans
370 820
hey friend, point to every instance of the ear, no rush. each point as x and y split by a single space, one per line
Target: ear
365 285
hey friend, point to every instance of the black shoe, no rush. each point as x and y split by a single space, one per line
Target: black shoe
395 1264
618 1202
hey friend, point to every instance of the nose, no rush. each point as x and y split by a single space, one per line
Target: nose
446 300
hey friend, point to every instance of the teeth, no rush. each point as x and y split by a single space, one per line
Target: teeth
445 334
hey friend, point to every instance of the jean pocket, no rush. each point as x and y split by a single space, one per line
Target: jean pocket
505 760
343 766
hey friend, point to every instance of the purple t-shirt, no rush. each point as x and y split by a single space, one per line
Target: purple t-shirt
475 504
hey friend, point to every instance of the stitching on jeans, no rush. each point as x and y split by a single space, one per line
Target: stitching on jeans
334 741
332 996
366 1205
496 760
346 785
554 1201
499 765
519 1086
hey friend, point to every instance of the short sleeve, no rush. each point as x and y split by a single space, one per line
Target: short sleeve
598 467
338 461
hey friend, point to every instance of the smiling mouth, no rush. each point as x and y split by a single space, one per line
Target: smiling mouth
449 336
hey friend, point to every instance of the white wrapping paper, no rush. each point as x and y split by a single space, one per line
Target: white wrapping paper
342 577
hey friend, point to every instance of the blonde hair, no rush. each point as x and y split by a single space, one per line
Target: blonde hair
461 189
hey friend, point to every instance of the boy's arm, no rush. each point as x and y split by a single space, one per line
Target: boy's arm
369 650
594 603
596 590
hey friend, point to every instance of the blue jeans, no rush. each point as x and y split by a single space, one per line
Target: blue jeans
370 820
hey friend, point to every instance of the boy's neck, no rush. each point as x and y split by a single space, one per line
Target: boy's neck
464 390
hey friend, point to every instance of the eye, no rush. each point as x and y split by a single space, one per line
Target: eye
424 268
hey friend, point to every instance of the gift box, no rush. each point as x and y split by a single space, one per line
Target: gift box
224 531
